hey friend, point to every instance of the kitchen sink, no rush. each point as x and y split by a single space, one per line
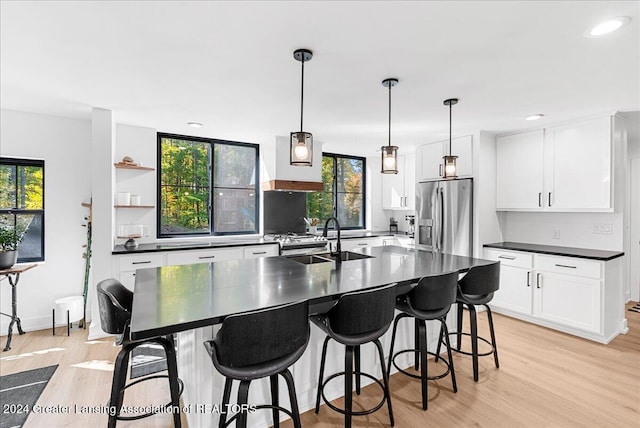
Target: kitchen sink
347 256
309 260
328 257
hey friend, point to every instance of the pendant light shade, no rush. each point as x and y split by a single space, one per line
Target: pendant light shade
450 170
301 142
389 153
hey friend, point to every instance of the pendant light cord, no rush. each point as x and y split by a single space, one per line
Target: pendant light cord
389 114
450 109
302 95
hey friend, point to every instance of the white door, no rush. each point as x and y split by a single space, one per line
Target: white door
429 165
568 300
581 166
515 292
520 171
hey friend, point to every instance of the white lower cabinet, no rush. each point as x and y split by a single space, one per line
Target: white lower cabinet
575 295
258 251
204 256
128 264
355 243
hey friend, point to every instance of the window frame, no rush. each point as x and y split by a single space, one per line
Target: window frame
334 186
210 208
15 211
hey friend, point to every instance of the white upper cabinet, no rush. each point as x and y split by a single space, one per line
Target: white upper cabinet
520 171
562 168
581 169
399 190
430 158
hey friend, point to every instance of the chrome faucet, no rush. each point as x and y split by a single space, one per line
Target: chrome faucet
338 252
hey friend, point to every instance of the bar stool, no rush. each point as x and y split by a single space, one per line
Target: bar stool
430 299
114 302
356 319
477 288
259 344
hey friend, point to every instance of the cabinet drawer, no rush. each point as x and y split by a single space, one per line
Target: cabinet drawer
203 256
131 263
261 251
569 266
510 258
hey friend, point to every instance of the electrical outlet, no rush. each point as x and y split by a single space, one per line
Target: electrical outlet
556 234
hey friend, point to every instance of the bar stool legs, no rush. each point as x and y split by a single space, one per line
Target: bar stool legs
351 359
473 323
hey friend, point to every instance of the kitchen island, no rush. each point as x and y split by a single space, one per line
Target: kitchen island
191 299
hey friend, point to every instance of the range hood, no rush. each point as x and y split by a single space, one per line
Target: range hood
281 175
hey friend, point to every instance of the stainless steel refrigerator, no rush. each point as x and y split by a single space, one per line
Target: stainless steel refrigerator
444 216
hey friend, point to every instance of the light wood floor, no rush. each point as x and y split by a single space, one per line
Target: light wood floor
546 379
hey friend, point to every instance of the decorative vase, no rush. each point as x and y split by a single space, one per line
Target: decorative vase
8 259
313 230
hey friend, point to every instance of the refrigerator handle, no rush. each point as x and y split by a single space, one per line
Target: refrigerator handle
441 203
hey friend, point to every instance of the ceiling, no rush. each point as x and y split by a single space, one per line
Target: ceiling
229 65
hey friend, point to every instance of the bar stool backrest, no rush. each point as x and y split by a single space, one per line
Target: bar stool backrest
481 280
364 311
434 292
114 302
260 336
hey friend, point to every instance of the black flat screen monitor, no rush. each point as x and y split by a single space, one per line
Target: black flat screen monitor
284 212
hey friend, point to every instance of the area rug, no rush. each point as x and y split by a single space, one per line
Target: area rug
146 360
19 392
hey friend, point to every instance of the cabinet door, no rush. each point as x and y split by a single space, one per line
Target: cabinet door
204 256
393 190
463 148
568 300
354 244
515 292
519 172
430 161
581 170
410 182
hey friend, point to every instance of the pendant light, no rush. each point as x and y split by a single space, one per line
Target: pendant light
301 153
389 152
450 161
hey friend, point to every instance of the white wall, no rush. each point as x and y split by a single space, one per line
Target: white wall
486 220
65 146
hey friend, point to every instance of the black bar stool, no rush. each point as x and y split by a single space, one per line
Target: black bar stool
430 299
258 344
357 318
477 288
114 301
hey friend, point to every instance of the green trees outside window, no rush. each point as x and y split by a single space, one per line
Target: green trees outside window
22 204
206 186
343 195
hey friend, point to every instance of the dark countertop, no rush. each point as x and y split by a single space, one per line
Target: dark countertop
177 298
582 253
181 246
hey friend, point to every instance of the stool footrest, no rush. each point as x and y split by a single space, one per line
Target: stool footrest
358 413
415 376
459 351
160 407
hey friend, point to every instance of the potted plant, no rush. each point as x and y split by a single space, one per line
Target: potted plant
10 237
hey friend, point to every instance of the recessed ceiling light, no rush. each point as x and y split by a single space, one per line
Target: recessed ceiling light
608 26
194 124
535 116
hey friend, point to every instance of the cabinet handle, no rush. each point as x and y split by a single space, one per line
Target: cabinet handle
566 266
261 252
440 170
549 198
141 263
363 245
507 257
540 199
528 278
206 257
537 280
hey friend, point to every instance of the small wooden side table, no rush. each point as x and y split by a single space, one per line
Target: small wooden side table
13 274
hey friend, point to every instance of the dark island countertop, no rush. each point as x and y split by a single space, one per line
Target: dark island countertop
582 253
171 299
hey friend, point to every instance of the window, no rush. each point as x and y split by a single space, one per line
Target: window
22 204
343 194
206 186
